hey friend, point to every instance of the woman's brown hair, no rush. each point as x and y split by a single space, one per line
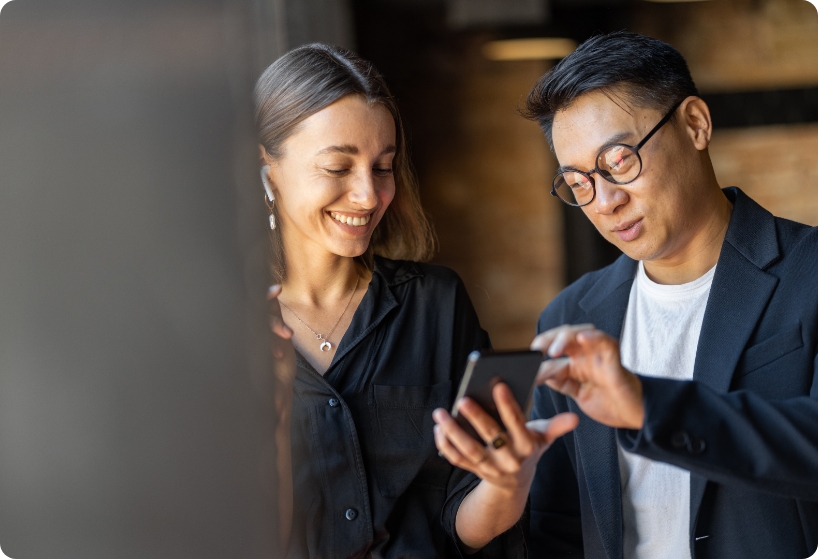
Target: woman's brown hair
311 78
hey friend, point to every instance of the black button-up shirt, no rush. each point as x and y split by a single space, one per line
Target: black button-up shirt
368 481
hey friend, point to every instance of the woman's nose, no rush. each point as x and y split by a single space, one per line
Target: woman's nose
364 190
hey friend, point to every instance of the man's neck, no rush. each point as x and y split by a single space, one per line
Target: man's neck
700 252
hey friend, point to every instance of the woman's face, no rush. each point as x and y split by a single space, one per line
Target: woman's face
334 179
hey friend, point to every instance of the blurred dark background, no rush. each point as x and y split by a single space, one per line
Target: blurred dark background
133 335
485 171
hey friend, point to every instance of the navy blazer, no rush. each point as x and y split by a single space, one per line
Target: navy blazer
746 426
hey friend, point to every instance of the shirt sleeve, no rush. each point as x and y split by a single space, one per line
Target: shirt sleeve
468 337
554 526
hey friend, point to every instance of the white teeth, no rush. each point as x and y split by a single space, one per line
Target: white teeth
349 220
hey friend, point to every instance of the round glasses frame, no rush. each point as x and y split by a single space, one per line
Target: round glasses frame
555 187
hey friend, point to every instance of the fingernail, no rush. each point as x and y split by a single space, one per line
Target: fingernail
555 349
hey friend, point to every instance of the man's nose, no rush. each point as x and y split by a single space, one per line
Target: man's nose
608 196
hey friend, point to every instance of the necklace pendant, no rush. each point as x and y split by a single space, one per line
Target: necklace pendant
326 346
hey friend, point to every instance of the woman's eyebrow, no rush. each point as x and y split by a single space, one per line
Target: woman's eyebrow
348 149
345 149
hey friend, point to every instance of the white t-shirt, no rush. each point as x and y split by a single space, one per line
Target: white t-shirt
659 339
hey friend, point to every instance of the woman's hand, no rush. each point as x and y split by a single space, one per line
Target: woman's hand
506 464
282 346
284 375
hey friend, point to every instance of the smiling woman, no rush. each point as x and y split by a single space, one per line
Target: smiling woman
335 76
369 341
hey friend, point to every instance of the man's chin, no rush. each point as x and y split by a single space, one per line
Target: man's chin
635 250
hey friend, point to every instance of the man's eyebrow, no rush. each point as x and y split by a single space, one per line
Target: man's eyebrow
615 139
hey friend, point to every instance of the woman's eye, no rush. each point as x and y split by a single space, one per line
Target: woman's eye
383 171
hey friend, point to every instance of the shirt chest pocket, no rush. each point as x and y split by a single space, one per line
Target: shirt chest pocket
404 436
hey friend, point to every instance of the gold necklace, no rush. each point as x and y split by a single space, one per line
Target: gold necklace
325 343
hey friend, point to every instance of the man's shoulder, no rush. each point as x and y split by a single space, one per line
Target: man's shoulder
567 307
795 237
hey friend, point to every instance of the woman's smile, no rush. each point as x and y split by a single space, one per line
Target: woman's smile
353 220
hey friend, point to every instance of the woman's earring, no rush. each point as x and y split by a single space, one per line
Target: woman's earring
268 196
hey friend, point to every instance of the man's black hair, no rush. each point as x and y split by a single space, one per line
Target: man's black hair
644 71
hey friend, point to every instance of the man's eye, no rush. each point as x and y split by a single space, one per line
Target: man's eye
576 181
336 171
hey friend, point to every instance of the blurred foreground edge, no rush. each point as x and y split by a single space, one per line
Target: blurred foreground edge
136 414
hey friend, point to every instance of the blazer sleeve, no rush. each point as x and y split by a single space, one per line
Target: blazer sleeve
733 438
554 521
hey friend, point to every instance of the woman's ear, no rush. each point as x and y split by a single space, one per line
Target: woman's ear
696 116
265 160
265 180
262 155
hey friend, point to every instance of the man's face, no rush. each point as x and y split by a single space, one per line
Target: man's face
655 216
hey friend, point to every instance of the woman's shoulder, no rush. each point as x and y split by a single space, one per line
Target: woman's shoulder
420 275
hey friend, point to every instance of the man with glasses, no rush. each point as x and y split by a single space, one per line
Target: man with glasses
691 360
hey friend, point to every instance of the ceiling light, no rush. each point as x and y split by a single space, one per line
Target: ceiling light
529 49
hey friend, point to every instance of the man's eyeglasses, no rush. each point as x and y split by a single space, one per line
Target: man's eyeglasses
617 163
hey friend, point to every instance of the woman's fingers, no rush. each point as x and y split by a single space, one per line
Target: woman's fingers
513 419
449 452
560 425
549 430
273 292
277 324
464 443
482 422
279 328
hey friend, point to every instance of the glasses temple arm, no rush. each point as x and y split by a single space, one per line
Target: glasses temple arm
656 128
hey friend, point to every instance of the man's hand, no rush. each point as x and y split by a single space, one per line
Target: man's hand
506 464
586 366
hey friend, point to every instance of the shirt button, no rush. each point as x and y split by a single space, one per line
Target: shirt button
351 514
333 402
696 446
679 439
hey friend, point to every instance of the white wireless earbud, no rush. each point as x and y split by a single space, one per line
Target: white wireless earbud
266 182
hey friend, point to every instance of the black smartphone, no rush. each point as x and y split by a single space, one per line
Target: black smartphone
485 369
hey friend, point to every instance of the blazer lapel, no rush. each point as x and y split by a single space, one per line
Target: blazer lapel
605 306
738 296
